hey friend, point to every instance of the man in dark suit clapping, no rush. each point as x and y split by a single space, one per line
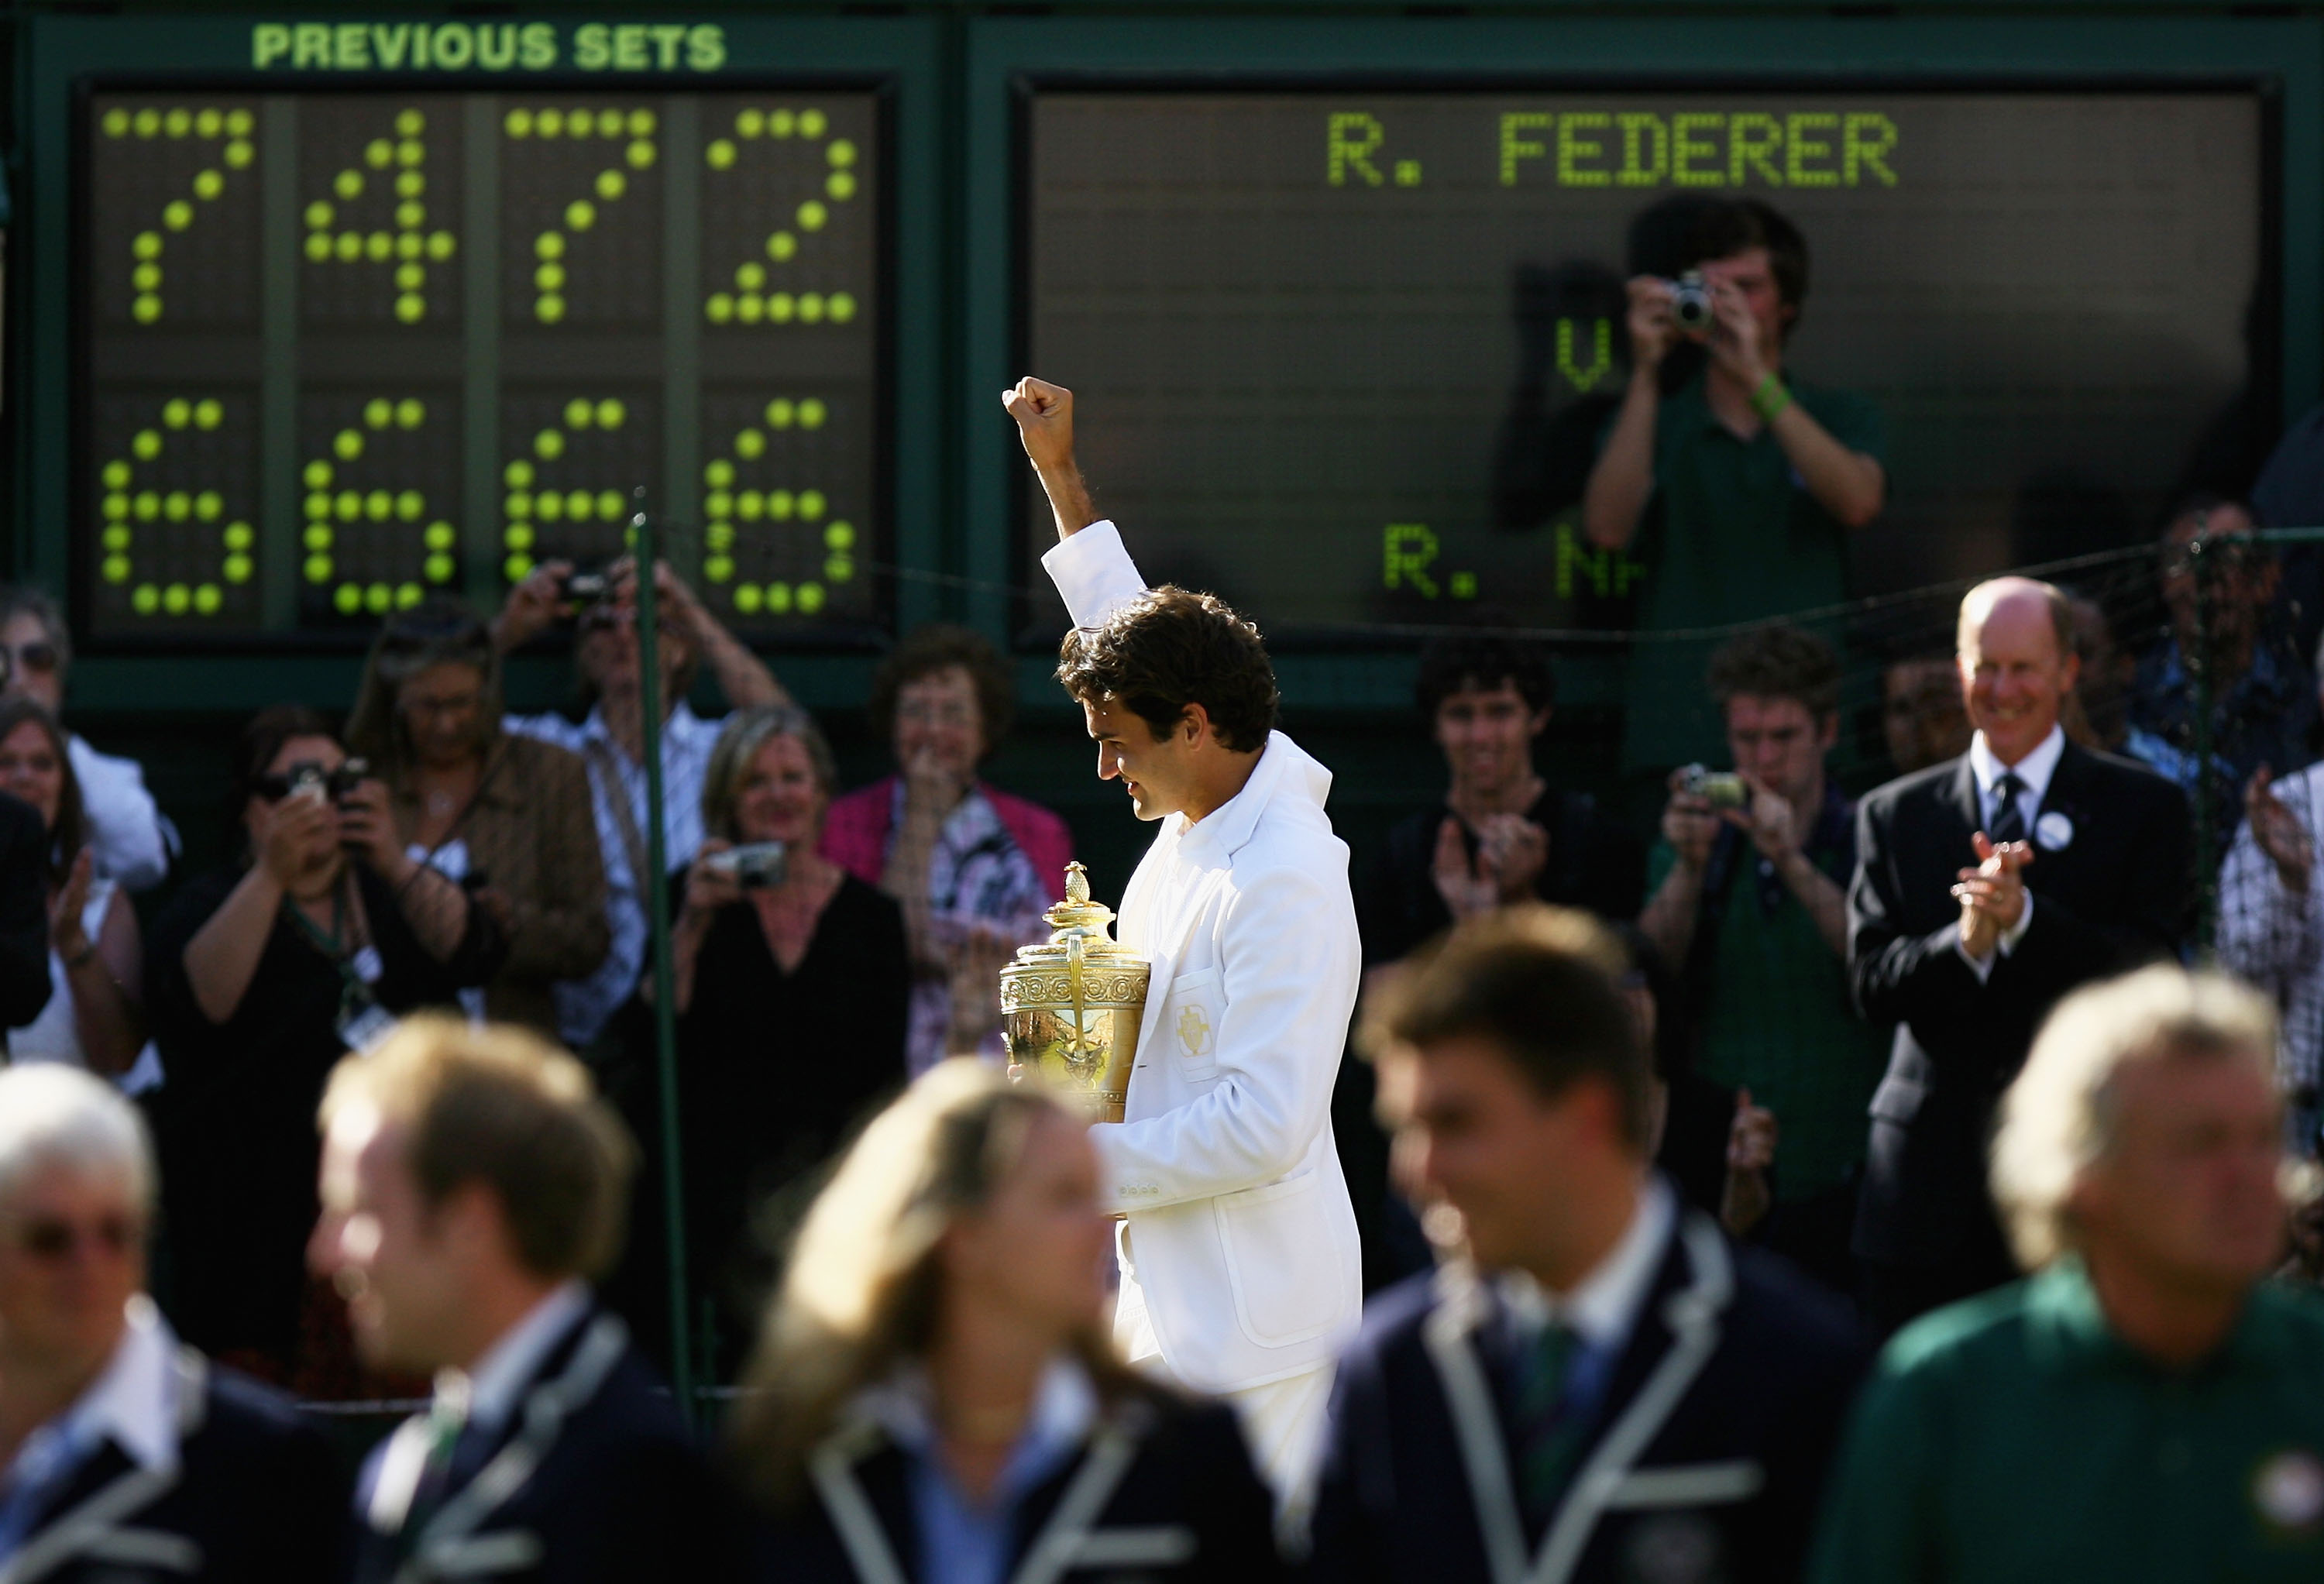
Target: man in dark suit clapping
1987 888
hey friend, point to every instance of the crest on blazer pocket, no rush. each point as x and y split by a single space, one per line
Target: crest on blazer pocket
1194 1034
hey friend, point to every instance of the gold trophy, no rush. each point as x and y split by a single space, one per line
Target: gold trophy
1070 1008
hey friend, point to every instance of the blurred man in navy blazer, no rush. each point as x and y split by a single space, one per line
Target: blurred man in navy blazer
472 1183
124 1455
1598 1386
1986 888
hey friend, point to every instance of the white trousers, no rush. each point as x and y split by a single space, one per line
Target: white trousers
1282 1420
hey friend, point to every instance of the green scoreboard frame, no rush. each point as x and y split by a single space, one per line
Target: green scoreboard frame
953 75
325 503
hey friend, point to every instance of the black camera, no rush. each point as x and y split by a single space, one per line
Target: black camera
753 865
307 777
585 589
1691 301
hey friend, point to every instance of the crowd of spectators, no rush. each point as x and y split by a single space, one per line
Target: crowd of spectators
1671 1132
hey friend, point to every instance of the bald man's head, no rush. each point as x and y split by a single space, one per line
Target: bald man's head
2017 664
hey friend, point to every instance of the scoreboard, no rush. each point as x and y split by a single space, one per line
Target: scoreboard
341 349
1343 354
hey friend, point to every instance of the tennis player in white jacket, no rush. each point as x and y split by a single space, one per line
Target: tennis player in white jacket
1240 1270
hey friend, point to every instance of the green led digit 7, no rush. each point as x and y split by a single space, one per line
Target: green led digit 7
552 247
230 130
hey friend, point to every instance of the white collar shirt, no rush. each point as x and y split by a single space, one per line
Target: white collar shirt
133 1402
1603 1308
2034 770
495 1385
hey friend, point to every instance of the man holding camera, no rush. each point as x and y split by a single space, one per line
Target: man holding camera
1751 905
1753 483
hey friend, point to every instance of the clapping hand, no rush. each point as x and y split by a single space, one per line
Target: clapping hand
2279 833
1511 850
1992 896
1746 1199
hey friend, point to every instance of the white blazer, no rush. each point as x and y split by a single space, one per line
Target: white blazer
1240 1248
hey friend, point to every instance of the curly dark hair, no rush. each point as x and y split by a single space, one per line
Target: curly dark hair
1778 662
1462 660
934 648
1170 648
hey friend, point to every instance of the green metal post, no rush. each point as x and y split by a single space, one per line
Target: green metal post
2196 652
645 555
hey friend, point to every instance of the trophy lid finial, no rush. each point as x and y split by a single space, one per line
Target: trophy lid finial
1076 882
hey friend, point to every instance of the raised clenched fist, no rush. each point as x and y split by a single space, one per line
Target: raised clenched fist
1044 420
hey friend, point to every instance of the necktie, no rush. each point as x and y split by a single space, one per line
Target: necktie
447 1418
2008 819
1549 1428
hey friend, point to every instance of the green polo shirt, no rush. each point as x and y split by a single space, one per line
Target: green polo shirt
1775 1019
2013 1440
1739 540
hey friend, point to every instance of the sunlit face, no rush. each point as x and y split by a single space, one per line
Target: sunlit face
1487 734
73 1253
35 668
2237 590
323 857
31 770
1779 741
382 1248
1471 1132
443 711
2015 674
1753 273
1040 1247
780 799
2187 1193
1158 772
938 716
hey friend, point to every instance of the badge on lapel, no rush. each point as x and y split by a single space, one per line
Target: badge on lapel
2054 831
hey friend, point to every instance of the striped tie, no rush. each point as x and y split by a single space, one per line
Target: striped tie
2008 819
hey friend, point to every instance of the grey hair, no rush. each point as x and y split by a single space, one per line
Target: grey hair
22 599
55 1115
2059 1117
745 732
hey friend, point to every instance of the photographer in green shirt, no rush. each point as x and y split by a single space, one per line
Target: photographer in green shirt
2148 1405
1756 481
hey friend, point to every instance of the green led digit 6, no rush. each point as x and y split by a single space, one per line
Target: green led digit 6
760 297
731 494
533 498
122 502
212 124
332 233
550 246
337 502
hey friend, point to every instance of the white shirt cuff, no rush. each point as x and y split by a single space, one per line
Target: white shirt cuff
1094 572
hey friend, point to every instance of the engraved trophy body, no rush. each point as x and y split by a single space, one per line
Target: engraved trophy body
1070 1006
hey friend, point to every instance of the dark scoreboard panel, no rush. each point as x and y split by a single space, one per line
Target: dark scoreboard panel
1326 345
344 349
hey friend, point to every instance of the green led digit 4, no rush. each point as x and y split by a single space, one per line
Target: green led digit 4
347 493
634 128
762 294
128 510
228 132
390 186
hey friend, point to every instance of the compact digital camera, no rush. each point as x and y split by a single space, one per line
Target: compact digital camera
753 864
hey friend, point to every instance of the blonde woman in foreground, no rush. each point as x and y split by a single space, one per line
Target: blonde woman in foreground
934 1399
